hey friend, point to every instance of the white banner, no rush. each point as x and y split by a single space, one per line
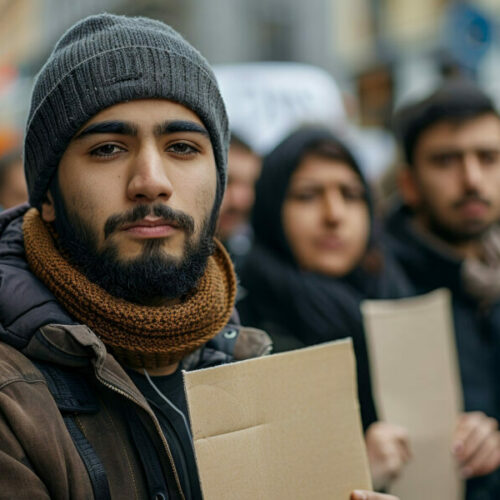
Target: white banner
267 101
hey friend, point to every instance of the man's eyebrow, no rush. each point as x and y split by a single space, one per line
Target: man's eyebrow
171 127
439 152
447 151
108 127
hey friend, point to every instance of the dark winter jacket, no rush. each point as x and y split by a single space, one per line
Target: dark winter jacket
72 423
297 307
477 330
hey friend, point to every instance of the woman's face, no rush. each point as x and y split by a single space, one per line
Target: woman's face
325 216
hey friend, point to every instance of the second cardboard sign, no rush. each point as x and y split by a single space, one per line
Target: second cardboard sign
416 385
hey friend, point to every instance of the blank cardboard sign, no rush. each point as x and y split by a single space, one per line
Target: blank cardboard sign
285 426
416 384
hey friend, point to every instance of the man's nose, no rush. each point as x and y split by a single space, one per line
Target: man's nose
149 180
472 171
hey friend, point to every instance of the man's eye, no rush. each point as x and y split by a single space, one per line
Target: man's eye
106 150
182 149
488 157
446 159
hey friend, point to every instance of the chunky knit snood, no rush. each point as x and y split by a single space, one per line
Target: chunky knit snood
139 336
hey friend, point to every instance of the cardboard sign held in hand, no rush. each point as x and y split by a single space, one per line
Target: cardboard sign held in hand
416 385
285 426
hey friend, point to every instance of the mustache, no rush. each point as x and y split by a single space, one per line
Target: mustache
475 197
175 217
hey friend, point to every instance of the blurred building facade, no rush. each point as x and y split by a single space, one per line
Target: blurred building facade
379 49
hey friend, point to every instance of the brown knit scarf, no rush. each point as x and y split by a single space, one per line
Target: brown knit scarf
139 336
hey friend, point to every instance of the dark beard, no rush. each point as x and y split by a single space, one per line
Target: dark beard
455 235
150 277
452 236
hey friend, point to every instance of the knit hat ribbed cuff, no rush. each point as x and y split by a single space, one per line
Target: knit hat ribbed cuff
76 84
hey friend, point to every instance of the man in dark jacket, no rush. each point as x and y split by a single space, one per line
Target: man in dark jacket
445 235
111 280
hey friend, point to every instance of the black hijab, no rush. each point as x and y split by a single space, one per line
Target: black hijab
299 307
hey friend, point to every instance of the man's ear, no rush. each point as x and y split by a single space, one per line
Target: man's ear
408 187
48 210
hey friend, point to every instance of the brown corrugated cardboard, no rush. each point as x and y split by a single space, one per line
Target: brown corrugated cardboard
416 384
281 427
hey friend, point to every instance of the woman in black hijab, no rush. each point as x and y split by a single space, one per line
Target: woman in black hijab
316 257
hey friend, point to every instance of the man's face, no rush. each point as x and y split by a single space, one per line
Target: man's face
138 184
454 184
243 171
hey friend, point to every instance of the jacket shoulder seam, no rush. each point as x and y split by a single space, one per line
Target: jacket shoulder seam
3 385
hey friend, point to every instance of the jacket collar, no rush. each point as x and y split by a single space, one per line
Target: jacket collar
26 304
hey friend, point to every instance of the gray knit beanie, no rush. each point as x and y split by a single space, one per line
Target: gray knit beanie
106 59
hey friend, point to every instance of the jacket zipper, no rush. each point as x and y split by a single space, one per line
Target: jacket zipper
157 427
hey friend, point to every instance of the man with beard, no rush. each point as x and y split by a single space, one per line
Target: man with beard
111 280
446 235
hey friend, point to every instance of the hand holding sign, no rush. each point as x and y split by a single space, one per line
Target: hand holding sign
476 444
388 450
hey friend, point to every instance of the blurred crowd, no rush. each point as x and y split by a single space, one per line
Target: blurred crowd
313 237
